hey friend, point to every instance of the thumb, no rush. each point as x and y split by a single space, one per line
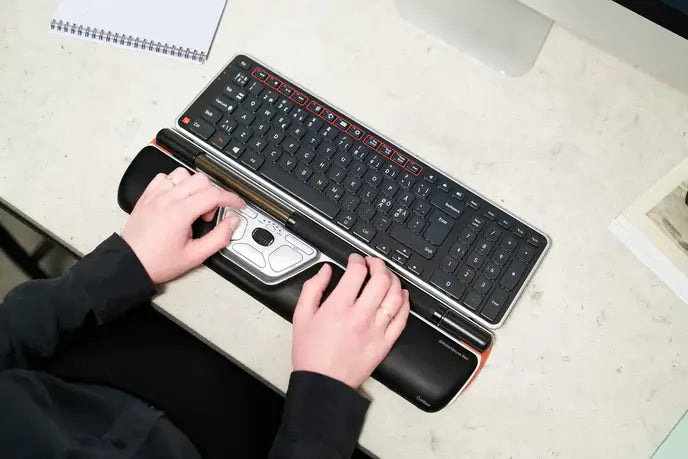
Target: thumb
198 250
311 294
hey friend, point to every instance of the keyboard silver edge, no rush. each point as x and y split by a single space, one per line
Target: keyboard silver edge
294 204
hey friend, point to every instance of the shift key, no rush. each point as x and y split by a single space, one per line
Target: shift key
413 241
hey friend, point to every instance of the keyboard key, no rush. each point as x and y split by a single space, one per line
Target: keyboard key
414 167
447 204
364 231
534 240
458 194
235 149
314 123
244 117
458 250
303 191
367 193
405 251
358 169
489 214
399 159
305 155
421 208
252 160
235 93
405 198
350 201
389 188
219 140
297 131
473 204
501 257
282 122
444 185
416 224
273 153
399 258
270 97
303 172
382 222
329 116
321 165
482 285
431 177
244 64
212 115
385 150
202 129
477 223
261 127
255 88
225 104
253 103
258 144
276 136
407 180
525 253
319 182
484 247
519 232
448 284
400 214
491 271
473 300
334 192
284 106
413 241
439 226
360 152
509 243
374 162
342 159
227 125
337 174
390 170
300 98
274 82
475 260
240 79
366 212
286 90
385 247
414 266
422 190
290 146
383 204
512 275
495 304
467 237
344 143
346 220
329 133
288 163
372 142
355 132
449 264
243 134
373 178
312 141
505 223
327 150
492 234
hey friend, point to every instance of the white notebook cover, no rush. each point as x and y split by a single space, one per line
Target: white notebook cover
174 27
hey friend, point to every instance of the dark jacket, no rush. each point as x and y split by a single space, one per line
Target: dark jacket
42 416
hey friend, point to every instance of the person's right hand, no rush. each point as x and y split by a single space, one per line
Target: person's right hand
353 331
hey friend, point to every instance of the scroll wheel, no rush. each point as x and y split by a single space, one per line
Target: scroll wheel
263 236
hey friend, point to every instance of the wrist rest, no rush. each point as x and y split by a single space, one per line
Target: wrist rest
425 366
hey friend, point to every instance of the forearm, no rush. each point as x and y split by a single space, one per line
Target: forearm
322 418
37 314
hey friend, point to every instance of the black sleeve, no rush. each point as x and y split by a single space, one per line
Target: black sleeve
99 288
322 418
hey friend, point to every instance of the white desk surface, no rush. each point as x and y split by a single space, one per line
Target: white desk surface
592 362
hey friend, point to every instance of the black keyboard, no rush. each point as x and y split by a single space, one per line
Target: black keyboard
435 231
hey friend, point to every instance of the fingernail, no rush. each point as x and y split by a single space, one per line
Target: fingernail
233 222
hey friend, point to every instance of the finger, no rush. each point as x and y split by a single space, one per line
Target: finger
311 294
209 216
190 185
198 250
170 181
349 285
178 176
208 200
397 325
390 304
378 285
154 184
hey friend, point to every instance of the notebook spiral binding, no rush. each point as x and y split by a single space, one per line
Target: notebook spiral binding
127 40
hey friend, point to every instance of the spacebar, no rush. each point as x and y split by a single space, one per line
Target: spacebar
305 193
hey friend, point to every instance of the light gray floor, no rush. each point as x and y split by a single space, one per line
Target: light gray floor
10 276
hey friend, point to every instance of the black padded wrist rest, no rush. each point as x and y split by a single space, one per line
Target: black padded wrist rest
425 366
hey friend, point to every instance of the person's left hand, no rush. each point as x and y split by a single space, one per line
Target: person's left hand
159 228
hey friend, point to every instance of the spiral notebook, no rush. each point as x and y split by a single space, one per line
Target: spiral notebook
183 29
